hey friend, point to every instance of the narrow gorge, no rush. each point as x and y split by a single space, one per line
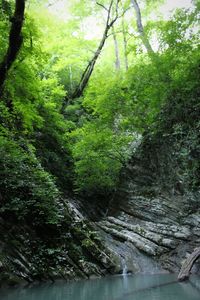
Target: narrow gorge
99 149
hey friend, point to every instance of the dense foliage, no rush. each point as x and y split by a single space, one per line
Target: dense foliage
50 140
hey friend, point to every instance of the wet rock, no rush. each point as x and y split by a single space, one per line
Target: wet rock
162 228
193 220
146 232
141 243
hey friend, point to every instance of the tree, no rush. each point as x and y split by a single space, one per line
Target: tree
188 264
140 28
125 44
110 20
116 47
15 41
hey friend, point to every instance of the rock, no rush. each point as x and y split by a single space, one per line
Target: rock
141 243
145 231
193 220
161 227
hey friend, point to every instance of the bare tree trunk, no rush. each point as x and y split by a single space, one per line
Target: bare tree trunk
125 43
187 266
15 41
117 59
140 28
153 56
89 69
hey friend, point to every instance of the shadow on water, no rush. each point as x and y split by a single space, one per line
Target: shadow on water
126 287
195 284
134 292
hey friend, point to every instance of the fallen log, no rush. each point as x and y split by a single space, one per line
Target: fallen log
188 264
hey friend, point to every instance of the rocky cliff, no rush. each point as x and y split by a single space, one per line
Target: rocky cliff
150 224
153 221
75 251
152 234
148 234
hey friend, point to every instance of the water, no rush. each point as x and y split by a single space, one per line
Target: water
134 287
124 267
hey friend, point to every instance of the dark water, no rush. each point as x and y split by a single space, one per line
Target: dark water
136 287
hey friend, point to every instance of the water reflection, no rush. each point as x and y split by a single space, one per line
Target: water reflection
137 287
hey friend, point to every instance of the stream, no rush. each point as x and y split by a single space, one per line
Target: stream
126 287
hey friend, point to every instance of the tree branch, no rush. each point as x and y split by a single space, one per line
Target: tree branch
90 67
188 264
101 5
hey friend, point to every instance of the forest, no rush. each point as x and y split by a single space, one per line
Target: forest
88 90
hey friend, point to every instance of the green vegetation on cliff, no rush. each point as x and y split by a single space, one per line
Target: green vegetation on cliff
82 85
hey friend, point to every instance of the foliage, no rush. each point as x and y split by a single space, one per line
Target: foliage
27 191
143 112
84 143
99 157
100 147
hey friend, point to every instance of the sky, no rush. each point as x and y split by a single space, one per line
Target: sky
59 7
170 5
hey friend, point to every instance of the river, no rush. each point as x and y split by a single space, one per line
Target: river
128 287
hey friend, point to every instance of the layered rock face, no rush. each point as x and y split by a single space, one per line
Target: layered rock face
149 234
73 253
152 222
152 233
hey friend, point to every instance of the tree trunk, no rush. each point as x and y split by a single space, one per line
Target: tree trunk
140 28
187 265
125 43
153 56
90 67
15 41
117 59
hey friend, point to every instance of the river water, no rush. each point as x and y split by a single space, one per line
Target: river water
129 287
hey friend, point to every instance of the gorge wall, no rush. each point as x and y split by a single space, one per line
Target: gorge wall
149 225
